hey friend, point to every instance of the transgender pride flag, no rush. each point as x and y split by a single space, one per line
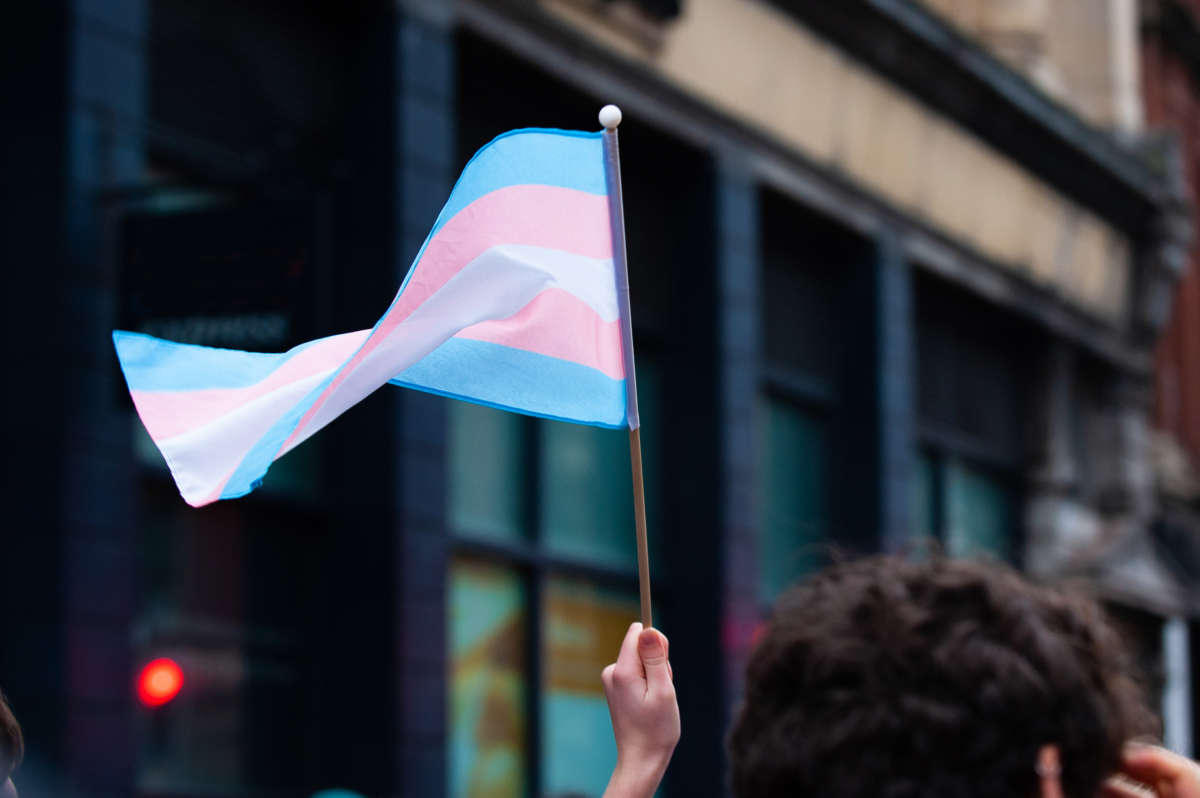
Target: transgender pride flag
515 300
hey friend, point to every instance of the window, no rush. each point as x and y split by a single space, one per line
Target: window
792 502
489 725
586 497
487 448
970 509
227 592
969 411
978 512
924 504
584 624
545 562
805 259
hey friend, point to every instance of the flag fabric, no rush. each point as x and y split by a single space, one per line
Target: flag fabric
513 301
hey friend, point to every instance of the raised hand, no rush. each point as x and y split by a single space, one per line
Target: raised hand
645 715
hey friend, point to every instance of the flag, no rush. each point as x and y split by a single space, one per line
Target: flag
513 301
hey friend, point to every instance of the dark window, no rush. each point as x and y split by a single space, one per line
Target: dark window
659 9
970 406
806 260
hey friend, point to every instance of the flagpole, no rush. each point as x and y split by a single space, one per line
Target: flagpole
610 117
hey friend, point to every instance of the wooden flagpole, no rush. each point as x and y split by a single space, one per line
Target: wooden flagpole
639 512
610 117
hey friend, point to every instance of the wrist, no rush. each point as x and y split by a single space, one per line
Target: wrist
637 776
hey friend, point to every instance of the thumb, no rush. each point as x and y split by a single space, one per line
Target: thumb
652 649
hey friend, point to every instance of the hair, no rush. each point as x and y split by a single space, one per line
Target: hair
12 744
934 679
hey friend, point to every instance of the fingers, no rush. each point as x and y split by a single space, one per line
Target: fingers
652 648
629 665
1161 769
606 677
1117 788
1149 763
1049 770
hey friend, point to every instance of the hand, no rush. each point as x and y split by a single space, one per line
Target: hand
645 715
1166 774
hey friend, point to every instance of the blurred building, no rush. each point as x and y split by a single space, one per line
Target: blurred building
898 274
1171 67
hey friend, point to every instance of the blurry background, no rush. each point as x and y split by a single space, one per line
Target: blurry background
900 271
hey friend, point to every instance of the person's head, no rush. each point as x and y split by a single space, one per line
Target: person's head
12 748
939 679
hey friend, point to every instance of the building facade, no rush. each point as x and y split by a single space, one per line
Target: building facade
1170 70
887 289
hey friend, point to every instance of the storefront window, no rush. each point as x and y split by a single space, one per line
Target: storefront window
583 626
487 690
579 509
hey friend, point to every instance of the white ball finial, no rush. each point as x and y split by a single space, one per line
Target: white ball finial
610 116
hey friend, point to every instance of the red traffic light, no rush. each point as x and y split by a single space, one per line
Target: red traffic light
159 682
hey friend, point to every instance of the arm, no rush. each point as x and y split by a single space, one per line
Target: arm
645 715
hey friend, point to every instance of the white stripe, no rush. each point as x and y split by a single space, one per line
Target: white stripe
201 458
591 280
495 285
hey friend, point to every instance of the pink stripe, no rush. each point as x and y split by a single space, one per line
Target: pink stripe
170 413
558 324
545 216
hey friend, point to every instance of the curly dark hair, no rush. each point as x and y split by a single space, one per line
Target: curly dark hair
936 679
12 744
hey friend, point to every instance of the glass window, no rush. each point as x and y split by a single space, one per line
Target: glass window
587 501
923 500
792 504
979 512
579 506
583 629
586 484
488 641
487 465
224 593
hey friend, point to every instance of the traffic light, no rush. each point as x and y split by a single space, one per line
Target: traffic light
159 682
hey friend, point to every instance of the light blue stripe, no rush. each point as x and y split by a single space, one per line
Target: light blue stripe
250 472
152 364
519 381
530 156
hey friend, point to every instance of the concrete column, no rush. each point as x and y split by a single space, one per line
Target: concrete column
897 390
873 421
425 172
1177 691
106 108
739 351
1053 523
1126 477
